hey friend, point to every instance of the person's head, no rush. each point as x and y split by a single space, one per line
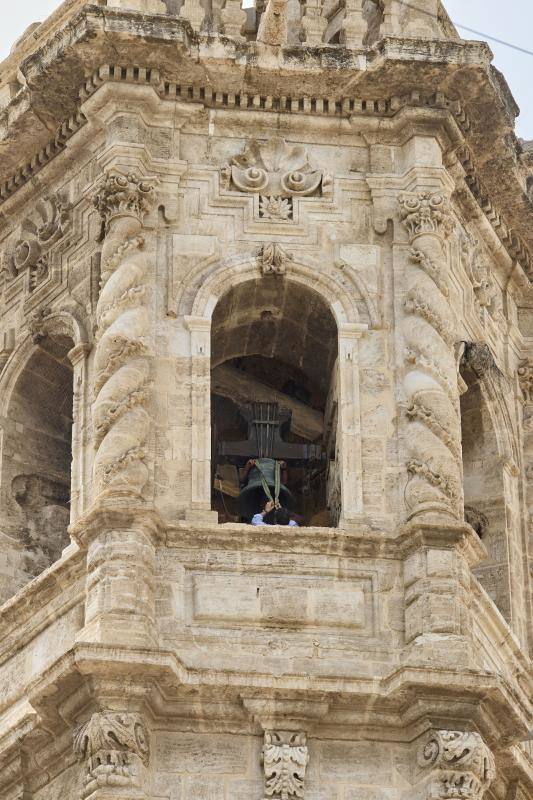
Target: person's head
278 516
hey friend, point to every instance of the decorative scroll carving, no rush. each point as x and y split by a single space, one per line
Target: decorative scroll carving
122 370
31 251
272 259
112 745
285 759
275 169
434 451
464 766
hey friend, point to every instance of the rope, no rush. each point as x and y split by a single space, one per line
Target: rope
277 484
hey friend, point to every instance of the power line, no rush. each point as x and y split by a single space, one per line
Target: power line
474 31
493 39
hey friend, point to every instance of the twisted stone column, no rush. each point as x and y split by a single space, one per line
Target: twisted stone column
122 369
121 528
433 437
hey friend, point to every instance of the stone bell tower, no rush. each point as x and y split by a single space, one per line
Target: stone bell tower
209 208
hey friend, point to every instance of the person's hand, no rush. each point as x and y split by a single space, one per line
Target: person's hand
283 465
250 462
269 506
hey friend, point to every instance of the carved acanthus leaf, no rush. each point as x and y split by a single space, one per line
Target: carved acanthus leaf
426 213
463 764
124 194
272 259
112 745
275 169
285 758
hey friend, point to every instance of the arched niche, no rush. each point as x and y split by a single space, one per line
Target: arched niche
39 464
491 495
336 287
272 340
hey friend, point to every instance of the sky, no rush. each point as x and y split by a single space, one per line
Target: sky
511 21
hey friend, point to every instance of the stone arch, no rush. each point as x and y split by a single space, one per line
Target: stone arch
42 413
490 479
353 311
63 322
338 283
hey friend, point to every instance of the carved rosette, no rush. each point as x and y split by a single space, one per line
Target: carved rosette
285 759
433 438
462 765
113 746
122 368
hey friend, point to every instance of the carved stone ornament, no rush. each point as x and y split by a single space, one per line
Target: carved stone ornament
121 368
112 745
31 251
434 443
285 759
485 288
477 357
124 194
426 212
477 520
275 169
464 766
272 259
525 379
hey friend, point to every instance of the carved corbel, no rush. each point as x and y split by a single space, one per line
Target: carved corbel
114 748
458 765
285 759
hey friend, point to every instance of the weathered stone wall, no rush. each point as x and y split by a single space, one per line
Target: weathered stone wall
241 201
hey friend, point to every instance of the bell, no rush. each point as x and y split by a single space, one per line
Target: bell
252 496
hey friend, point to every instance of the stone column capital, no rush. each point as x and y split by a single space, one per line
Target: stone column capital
124 194
426 212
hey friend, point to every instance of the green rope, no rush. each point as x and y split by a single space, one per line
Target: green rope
277 484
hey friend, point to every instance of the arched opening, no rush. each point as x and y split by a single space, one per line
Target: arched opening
484 490
36 462
275 342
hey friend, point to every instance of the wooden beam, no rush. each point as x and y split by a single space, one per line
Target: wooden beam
236 385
